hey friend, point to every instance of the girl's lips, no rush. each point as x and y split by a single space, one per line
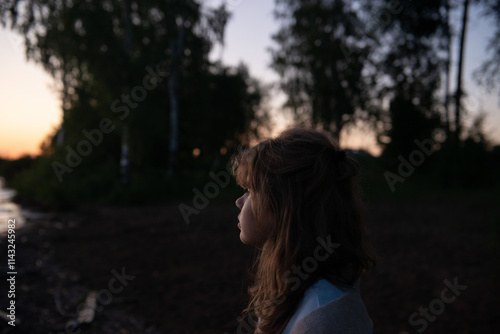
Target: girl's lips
239 225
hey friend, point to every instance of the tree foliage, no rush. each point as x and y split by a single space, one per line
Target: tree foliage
323 59
112 59
414 61
341 62
488 73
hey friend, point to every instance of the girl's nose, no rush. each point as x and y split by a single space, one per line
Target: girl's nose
239 202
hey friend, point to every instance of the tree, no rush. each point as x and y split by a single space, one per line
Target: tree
321 58
488 73
144 66
341 62
413 61
448 62
459 93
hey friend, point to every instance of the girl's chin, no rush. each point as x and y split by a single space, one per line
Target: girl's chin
248 242
245 240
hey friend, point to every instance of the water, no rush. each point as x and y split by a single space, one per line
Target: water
8 209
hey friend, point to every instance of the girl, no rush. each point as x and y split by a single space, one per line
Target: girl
302 211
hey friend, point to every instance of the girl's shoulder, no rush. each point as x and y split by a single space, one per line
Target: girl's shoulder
345 314
318 294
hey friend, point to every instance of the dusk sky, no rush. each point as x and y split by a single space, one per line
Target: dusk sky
30 106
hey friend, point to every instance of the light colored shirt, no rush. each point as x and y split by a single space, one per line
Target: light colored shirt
345 314
318 294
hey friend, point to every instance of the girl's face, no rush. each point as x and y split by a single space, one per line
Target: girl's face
250 233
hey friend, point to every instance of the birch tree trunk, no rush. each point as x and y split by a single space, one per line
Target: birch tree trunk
124 156
176 49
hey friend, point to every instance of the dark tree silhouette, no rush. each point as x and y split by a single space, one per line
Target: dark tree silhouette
144 67
488 74
415 61
459 93
321 56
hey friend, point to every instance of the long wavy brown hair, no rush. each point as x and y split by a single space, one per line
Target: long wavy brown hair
303 188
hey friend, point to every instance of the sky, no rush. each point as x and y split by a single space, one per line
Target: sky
30 107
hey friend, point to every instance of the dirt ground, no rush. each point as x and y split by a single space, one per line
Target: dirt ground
155 274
